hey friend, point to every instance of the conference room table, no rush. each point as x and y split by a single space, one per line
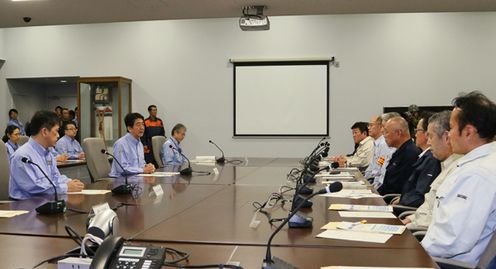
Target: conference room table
210 215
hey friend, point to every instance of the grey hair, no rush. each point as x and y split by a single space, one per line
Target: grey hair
440 122
386 116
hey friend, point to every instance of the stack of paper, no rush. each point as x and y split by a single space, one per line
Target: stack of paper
352 194
355 236
333 174
349 169
367 214
11 213
357 185
350 207
365 227
204 160
90 192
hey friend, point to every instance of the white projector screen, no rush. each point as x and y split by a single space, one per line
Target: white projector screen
281 98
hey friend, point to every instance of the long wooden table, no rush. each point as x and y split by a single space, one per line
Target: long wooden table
214 212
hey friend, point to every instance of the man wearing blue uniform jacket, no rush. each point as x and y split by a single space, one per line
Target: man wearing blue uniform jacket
400 166
128 150
171 156
464 214
26 180
68 143
13 120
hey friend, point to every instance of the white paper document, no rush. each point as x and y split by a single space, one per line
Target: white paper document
350 207
11 213
332 174
368 214
355 236
352 194
160 174
371 227
90 192
357 185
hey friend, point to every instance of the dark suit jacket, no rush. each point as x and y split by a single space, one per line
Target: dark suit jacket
400 168
425 170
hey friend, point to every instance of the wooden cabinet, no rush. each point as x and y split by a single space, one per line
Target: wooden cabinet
103 103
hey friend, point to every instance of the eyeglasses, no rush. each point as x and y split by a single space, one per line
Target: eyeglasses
419 130
71 129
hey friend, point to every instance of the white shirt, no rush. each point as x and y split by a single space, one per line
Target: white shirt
464 215
363 154
380 160
423 215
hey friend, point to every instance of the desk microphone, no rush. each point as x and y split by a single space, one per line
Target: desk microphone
186 171
122 189
221 159
53 207
275 263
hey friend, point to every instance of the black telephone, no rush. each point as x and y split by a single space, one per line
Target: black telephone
114 254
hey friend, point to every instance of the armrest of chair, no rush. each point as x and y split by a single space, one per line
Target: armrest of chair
419 235
405 214
388 197
452 264
399 209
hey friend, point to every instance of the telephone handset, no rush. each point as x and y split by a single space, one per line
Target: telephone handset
114 254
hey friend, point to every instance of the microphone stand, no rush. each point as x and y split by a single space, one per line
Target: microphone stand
53 207
221 160
122 189
186 171
271 262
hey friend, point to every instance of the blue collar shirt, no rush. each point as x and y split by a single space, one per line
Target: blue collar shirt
18 124
171 156
70 146
26 180
11 148
130 154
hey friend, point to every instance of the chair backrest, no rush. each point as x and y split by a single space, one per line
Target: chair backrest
23 140
98 163
157 143
4 172
489 255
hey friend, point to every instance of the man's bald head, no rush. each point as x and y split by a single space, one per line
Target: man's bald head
396 132
375 127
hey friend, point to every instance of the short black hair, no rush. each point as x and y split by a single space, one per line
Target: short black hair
131 118
43 119
72 113
362 126
58 107
177 127
13 110
477 110
67 123
9 131
150 107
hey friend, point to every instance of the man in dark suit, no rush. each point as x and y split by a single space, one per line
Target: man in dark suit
425 170
400 166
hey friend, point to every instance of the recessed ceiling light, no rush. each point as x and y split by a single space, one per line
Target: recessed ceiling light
63 81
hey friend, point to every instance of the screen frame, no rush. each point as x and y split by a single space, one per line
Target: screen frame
325 63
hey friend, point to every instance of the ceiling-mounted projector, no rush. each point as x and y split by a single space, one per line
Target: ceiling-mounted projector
253 19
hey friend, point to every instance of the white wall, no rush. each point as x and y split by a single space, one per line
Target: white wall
64 95
4 95
29 97
182 66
